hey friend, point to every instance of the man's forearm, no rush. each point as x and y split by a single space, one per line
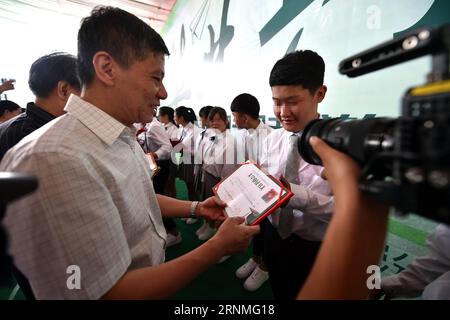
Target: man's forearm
160 282
173 208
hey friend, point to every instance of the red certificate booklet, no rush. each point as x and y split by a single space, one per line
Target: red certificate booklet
252 193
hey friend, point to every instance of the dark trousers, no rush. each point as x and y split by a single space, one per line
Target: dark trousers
289 261
159 184
160 180
258 240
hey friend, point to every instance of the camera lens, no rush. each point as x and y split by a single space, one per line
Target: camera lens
360 139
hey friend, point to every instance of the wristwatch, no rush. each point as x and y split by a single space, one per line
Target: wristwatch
192 209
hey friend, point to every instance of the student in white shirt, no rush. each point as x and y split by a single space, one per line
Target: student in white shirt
198 157
245 109
294 234
427 276
186 118
166 115
154 140
219 158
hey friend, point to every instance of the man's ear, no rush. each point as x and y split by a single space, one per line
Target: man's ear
62 90
320 93
105 67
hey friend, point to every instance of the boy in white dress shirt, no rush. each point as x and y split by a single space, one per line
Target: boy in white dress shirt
245 109
294 234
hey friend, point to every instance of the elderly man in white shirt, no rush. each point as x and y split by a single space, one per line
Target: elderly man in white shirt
293 237
95 216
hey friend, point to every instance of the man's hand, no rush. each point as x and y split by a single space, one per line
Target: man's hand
211 209
234 235
287 185
7 85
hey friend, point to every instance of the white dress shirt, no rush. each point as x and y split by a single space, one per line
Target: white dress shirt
428 275
95 207
254 141
173 132
155 139
219 153
312 203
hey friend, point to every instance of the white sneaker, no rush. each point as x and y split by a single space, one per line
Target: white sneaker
246 269
207 233
201 229
173 240
256 279
191 221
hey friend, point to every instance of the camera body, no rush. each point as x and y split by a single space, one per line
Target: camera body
406 160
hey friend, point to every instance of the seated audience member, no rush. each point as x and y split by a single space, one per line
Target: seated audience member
95 216
52 79
427 276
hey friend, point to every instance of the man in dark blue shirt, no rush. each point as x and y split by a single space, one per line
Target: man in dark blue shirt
52 79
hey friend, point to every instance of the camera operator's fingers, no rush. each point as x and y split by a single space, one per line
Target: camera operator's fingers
337 165
234 235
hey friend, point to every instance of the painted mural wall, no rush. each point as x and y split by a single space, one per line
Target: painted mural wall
221 48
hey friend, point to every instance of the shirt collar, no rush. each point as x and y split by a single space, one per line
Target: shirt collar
289 133
99 122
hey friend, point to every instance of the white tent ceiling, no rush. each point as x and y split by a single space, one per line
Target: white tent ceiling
153 12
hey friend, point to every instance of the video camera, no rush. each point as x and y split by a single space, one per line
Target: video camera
406 160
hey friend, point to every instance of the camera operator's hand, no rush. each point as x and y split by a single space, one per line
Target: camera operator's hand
7 85
339 169
355 237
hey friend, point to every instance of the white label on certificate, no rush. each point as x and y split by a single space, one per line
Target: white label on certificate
248 192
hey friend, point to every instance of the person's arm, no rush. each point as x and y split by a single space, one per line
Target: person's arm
7 85
355 237
307 200
160 282
158 136
211 208
423 270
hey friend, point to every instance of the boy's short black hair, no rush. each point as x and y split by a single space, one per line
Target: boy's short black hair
8 105
48 70
304 67
246 103
123 35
